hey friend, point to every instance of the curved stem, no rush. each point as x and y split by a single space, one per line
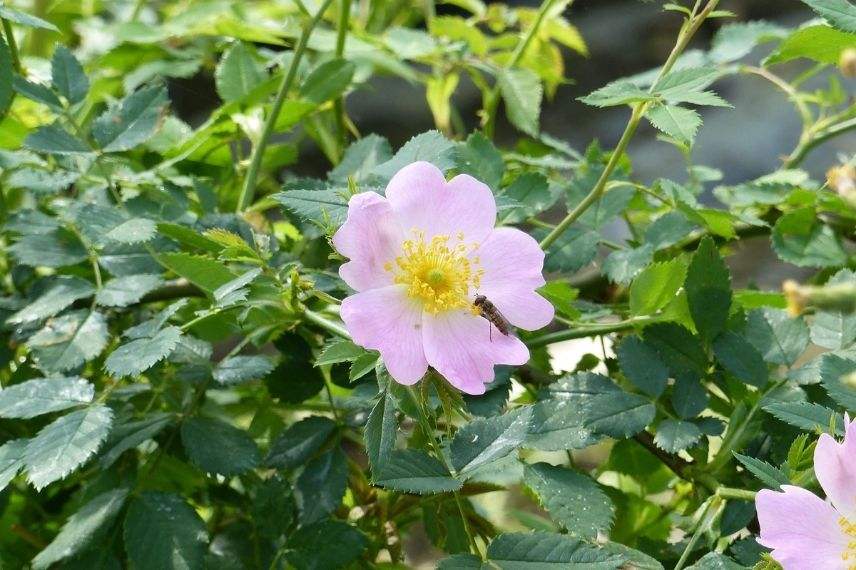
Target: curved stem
584 332
805 146
793 94
249 188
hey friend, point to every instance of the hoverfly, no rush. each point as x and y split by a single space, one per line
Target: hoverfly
489 311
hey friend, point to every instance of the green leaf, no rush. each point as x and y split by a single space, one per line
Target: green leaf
689 397
801 238
11 460
682 352
84 528
531 194
833 370
479 158
131 122
485 440
239 369
641 364
299 441
65 444
715 561
309 546
68 341
135 230
380 432
323 207
238 73
819 43
771 476
62 294
460 562
131 434
708 287
127 290
677 122
681 82
44 395
733 41
521 92
623 265
217 447
558 424
778 337
320 487
53 139
203 272
67 76
739 357
574 501
414 471
361 158
835 329
139 355
668 230
544 550
839 13
57 248
674 435
339 351
430 146
807 416
24 19
575 249
36 92
621 92
163 531
328 81
5 78
656 286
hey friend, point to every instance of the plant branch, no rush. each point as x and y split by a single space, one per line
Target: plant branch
323 322
13 46
708 513
341 36
584 332
249 188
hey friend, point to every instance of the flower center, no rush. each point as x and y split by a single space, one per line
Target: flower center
849 555
437 274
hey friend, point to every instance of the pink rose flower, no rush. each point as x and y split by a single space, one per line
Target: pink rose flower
806 532
418 258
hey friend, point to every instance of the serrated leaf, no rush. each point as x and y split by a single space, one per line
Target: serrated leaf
299 441
414 471
203 272
8 13
135 230
623 265
309 546
820 43
322 207
544 550
573 500
65 444
361 158
339 351
238 73
677 122
5 77
740 358
67 75
62 294
574 250
619 92
674 435
656 286
217 447
682 352
708 287
44 395
780 338
839 13
835 329
131 434
54 139
321 485
833 370
484 440
127 290
380 432
131 122
679 82
460 562
239 369
68 341
139 355
521 92
11 460
83 528
807 416
771 476
36 92
327 81
735 40
801 238
479 158
162 531
641 364
225 291
689 397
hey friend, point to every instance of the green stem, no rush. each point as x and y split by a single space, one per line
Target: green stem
705 519
808 143
736 494
325 323
492 100
689 29
249 188
341 36
13 46
584 332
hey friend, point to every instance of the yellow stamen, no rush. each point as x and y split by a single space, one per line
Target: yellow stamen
849 555
437 274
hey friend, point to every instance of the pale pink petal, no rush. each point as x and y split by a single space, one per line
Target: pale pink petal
835 467
801 528
512 262
388 321
464 348
424 201
371 237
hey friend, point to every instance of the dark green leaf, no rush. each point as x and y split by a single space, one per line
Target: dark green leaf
62 294
807 416
430 146
801 238
689 397
67 76
771 476
740 358
5 77
321 485
839 13
131 434
127 290
238 73
780 338
54 139
323 207
678 348
642 366
674 435
131 122
708 286
217 447
139 355
544 550
484 440
623 265
297 443
309 547
68 341
833 371
414 471
361 158
327 81
201 271
619 92
380 432
162 531
480 159
11 460
238 369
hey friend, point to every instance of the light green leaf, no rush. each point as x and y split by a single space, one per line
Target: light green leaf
839 13
44 395
674 435
677 122
238 73
619 92
162 531
135 230
521 92
414 471
65 444
327 81
545 550
67 75
239 369
708 287
801 238
686 80
819 43
132 122
139 355
361 158
83 529
780 338
68 341
25 19
227 293
531 191
573 500
623 265
127 290
320 487
62 294
54 139
299 441
735 40
771 476
338 351
485 440
217 447
36 92
656 286
203 272
430 146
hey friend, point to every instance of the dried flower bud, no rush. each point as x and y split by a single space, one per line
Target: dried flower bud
847 62
795 297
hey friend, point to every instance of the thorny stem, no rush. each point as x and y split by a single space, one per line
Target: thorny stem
707 516
249 188
689 29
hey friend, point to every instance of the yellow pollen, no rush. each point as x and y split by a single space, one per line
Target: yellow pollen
437 274
849 555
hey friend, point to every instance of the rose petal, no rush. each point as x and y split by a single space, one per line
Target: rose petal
388 321
464 348
424 201
370 237
801 528
835 467
512 262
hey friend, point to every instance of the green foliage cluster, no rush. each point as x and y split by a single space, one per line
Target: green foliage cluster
179 392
